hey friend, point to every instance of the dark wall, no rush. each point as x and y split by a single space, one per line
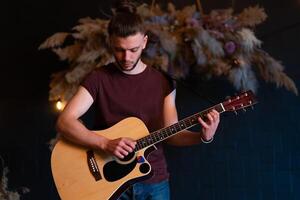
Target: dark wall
255 155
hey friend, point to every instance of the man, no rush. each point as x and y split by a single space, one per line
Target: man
128 87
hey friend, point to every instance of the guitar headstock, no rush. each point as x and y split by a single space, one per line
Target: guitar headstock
240 101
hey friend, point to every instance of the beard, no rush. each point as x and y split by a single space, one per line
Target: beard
121 64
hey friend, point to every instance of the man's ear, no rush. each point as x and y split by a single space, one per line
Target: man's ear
145 41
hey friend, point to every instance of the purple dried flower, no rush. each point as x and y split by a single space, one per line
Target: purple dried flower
192 22
162 20
230 47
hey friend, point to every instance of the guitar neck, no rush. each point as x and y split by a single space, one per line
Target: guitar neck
164 133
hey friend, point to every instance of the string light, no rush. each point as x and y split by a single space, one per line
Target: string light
60 105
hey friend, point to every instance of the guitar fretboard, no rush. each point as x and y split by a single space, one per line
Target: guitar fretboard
164 133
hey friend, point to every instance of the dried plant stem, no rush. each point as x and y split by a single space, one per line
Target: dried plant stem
152 5
2 186
199 7
233 4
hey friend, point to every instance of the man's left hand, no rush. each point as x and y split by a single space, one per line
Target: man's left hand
210 125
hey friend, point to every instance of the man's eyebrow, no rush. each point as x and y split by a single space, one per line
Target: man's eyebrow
116 47
135 47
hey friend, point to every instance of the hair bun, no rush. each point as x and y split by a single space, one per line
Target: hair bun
125 6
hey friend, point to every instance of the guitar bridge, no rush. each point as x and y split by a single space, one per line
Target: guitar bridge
93 167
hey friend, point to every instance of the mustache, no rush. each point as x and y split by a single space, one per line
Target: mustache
126 62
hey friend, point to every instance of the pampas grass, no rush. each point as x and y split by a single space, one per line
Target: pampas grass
198 52
252 16
213 46
248 41
242 77
219 67
55 40
185 13
178 40
89 27
168 43
69 53
89 56
271 70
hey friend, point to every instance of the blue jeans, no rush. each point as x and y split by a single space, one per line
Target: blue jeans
143 191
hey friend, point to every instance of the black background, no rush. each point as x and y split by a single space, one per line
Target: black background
255 155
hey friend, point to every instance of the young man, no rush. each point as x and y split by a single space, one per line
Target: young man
125 88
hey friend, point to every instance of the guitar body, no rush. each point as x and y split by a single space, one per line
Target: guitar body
72 166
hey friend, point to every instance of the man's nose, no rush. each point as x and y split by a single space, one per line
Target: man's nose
126 55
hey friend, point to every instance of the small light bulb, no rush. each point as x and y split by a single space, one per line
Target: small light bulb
60 105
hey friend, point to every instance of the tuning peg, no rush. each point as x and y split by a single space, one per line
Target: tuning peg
244 110
235 112
252 107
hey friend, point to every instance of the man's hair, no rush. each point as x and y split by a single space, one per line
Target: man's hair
125 21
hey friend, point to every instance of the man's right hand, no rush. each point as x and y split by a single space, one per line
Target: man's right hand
119 147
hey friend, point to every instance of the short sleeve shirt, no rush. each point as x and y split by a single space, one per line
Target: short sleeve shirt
118 95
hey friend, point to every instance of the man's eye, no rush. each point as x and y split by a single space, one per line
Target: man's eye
134 50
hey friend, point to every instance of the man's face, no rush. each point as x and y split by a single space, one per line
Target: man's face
127 50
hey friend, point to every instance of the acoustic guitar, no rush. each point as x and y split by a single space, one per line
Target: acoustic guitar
84 174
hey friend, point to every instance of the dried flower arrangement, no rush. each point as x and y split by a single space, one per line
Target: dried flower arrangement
217 44
5 194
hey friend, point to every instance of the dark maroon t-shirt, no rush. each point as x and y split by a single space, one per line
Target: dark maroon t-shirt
118 95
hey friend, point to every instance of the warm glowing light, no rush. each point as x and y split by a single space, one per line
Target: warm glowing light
60 105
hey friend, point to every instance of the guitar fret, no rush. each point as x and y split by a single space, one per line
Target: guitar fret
168 131
160 137
152 137
185 123
149 140
164 133
171 129
138 146
156 136
142 144
199 115
191 120
145 143
177 127
182 125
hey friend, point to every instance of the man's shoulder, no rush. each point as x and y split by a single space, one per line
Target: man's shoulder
158 72
162 73
99 73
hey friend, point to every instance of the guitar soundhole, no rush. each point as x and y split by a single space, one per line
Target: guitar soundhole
114 171
144 168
